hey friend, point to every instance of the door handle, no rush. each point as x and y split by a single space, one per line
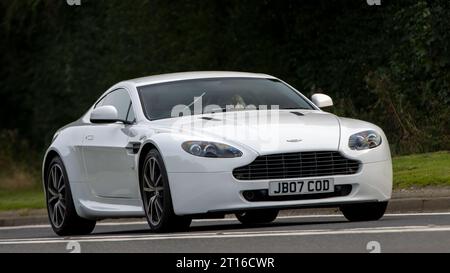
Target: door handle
89 137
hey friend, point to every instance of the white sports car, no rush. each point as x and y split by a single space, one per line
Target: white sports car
203 144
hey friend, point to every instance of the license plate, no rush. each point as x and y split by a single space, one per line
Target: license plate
308 186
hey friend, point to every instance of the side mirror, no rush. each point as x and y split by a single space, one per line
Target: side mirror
105 114
322 100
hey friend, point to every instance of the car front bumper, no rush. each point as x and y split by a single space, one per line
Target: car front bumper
201 193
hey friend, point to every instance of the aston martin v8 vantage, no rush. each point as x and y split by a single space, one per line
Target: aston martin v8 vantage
180 146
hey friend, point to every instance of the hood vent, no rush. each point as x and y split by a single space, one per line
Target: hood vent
210 119
298 114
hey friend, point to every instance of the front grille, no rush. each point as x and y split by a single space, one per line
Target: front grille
297 165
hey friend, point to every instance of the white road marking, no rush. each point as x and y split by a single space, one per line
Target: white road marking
230 220
226 235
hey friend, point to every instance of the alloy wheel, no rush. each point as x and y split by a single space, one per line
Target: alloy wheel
56 196
153 190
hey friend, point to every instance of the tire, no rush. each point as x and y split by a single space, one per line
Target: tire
364 212
60 208
257 217
156 197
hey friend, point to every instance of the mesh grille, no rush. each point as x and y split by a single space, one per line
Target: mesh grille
297 165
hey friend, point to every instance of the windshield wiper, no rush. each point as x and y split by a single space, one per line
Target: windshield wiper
294 108
215 110
253 108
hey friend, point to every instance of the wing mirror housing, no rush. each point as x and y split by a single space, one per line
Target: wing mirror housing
322 100
105 114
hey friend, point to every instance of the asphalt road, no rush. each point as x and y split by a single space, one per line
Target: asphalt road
320 233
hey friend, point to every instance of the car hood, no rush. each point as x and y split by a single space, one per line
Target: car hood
266 132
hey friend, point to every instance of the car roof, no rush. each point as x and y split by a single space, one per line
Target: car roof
194 75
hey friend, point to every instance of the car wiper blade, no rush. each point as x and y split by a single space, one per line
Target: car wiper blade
231 109
215 110
294 108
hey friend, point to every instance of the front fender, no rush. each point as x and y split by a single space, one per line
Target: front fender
177 160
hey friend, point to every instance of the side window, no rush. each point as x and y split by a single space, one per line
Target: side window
119 99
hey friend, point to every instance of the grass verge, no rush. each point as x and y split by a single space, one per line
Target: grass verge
21 199
413 171
422 170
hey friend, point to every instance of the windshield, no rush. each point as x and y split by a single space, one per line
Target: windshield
193 97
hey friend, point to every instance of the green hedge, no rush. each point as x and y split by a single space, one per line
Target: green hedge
388 64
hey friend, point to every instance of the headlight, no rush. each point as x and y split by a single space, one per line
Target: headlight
364 140
210 149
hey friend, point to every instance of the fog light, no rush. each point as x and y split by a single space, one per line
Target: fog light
249 195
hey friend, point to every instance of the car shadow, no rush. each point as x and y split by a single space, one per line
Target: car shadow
238 226
226 227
